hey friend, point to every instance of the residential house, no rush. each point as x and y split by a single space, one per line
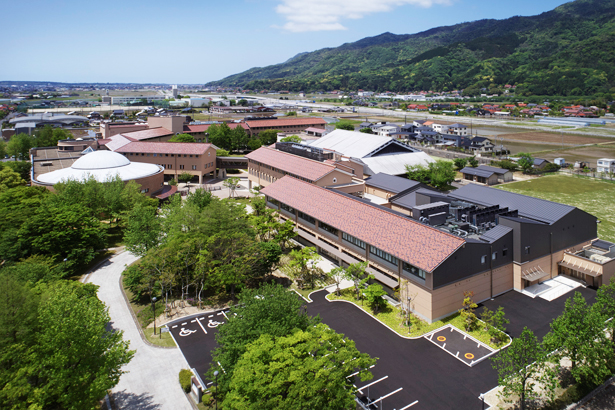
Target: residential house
606 165
487 175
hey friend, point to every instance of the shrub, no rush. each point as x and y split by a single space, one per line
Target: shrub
185 379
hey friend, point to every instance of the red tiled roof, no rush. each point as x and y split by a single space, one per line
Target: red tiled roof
104 141
284 123
194 148
147 134
302 167
204 127
404 238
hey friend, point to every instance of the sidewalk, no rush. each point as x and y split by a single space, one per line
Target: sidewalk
151 381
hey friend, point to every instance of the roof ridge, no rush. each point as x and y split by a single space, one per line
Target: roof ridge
380 210
298 156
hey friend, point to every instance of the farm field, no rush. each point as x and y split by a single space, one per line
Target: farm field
554 138
592 196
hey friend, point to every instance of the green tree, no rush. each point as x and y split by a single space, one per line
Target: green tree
292 138
418 173
270 309
18 306
605 305
460 163
19 146
254 144
344 125
355 272
239 138
291 114
37 268
222 153
521 367
441 174
9 179
268 137
143 231
220 136
525 161
307 369
467 311
200 198
302 267
473 162
232 183
182 138
578 334
79 358
373 296
185 177
3 150
366 130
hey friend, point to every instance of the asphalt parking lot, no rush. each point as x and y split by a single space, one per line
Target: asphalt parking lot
425 373
196 337
460 345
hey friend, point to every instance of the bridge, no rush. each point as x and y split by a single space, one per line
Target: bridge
232 163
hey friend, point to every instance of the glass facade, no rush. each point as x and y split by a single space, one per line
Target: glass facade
328 228
307 218
287 208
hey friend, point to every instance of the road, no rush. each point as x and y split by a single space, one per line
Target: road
151 379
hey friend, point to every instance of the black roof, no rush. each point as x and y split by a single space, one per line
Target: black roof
496 233
477 171
603 244
528 207
391 183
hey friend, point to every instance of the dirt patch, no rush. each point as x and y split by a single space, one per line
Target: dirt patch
552 138
589 154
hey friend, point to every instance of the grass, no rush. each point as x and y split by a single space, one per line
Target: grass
160 339
393 317
592 196
305 292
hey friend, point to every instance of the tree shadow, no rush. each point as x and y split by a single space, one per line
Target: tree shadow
132 401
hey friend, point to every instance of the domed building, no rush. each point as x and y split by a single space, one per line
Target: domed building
102 166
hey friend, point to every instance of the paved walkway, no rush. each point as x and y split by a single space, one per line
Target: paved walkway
151 381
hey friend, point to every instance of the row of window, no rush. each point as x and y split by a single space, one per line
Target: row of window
267 177
413 270
355 241
383 255
193 167
494 255
162 155
328 228
306 218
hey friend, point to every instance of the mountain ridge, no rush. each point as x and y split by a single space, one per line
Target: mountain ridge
522 50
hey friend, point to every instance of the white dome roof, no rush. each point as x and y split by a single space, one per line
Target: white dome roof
101 160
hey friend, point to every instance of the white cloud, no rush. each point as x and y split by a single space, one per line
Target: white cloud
325 15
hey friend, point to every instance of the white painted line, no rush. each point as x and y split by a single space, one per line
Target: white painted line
457 355
464 337
200 324
184 324
409 405
452 329
371 384
219 314
210 383
225 315
210 316
444 346
173 327
192 321
390 394
478 345
202 318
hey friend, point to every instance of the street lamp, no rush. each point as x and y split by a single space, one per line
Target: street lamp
154 312
216 376
409 299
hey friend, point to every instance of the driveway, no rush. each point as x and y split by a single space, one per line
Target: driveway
151 381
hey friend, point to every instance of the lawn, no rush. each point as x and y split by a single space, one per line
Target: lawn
393 317
592 196
160 339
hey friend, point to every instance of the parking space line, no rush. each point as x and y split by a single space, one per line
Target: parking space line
371 384
192 321
225 315
409 405
384 397
184 324
210 316
200 324
202 318
173 327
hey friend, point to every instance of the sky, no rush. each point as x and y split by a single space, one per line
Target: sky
197 41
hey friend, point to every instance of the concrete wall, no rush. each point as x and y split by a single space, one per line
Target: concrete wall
259 175
174 123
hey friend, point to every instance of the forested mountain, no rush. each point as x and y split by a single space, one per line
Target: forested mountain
567 51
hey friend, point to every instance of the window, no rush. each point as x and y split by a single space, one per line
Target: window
328 228
287 208
383 255
194 167
307 218
155 155
504 251
527 250
166 155
413 270
181 167
355 241
494 256
483 259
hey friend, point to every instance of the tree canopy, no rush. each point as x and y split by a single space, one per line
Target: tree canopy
182 138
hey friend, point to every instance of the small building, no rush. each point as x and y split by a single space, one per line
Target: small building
606 165
386 186
540 163
484 174
561 162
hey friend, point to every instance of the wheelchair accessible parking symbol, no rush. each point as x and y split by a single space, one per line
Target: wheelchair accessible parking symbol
186 332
